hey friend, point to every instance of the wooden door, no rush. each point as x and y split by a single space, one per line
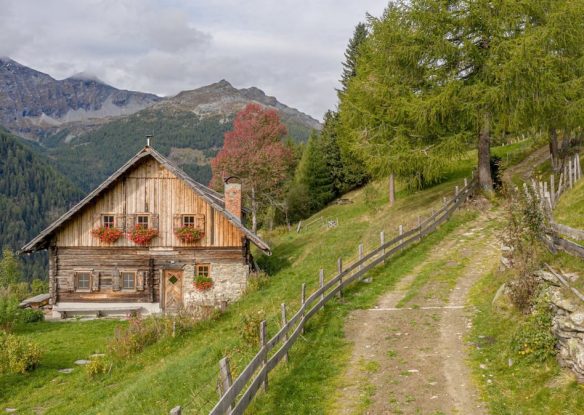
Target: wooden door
173 281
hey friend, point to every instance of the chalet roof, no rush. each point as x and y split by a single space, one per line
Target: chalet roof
215 199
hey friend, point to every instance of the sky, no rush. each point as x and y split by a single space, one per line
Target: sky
292 50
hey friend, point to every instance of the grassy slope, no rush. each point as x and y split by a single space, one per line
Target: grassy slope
183 370
570 209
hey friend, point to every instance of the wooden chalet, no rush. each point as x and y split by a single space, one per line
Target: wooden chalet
91 275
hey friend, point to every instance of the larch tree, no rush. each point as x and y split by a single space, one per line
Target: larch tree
351 54
253 151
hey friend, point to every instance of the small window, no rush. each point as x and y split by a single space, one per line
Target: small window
142 220
107 221
188 221
128 280
83 281
203 269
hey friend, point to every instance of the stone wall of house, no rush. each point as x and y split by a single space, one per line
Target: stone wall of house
229 284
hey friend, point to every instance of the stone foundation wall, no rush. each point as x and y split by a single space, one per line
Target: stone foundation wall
229 284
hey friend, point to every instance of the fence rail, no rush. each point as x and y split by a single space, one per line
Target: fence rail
237 395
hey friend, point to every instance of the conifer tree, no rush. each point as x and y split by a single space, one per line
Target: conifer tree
351 54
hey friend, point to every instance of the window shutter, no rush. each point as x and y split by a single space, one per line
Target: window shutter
130 222
116 281
177 222
120 221
200 219
154 220
94 281
140 278
72 282
96 220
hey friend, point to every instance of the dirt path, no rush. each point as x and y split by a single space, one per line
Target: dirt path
525 169
409 353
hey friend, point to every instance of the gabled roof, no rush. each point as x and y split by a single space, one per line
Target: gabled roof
215 199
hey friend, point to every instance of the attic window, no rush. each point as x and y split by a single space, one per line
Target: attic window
107 221
142 220
188 221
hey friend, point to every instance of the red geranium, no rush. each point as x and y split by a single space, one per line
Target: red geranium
202 283
188 234
107 235
142 235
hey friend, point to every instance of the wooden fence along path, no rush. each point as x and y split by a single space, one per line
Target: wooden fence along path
549 197
237 394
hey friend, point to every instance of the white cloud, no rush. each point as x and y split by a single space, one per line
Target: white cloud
290 49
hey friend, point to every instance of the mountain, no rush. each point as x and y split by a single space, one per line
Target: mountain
188 128
32 195
35 105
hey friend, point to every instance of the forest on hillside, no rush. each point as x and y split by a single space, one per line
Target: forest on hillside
32 195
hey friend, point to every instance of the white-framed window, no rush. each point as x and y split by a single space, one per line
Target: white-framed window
107 221
128 280
188 221
142 220
83 281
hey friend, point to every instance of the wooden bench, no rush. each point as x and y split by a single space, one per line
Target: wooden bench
99 311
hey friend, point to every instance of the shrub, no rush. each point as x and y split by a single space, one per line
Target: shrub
250 328
98 366
107 234
257 281
29 315
9 311
138 334
203 283
534 340
524 232
17 355
141 235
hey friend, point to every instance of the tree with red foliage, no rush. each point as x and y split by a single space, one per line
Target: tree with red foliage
254 152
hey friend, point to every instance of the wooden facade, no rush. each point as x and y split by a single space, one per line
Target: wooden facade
85 270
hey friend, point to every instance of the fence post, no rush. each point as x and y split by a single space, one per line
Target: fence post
465 182
262 345
302 302
284 322
298 227
553 190
381 243
340 270
360 255
321 281
456 190
177 410
570 173
226 379
444 201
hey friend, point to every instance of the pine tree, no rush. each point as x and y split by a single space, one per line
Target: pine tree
352 53
313 174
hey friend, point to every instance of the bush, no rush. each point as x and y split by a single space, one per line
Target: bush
250 328
98 366
29 315
17 355
257 281
533 340
9 312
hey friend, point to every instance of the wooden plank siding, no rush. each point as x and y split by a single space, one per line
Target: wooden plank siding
149 188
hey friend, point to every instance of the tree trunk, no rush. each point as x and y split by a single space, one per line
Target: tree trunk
484 162
554 150
254 211
391 190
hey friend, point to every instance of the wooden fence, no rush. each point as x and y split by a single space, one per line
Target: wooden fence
551 192
236 395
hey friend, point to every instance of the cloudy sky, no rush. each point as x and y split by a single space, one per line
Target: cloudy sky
291 49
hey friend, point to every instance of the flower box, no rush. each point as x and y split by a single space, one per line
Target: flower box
141 235
202 283
107 235
188 234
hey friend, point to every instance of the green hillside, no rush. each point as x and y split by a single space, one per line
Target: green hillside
32 194
183 370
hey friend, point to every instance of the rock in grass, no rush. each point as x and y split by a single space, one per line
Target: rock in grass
81 362
67 370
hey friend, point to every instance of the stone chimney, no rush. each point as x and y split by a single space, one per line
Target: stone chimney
233 197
